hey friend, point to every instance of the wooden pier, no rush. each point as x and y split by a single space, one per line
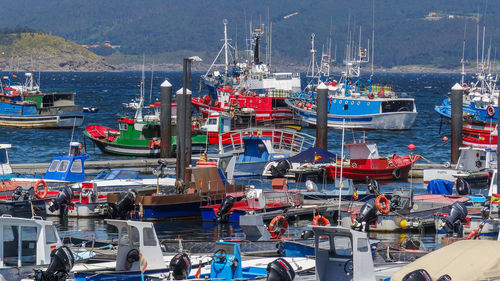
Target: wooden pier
146 166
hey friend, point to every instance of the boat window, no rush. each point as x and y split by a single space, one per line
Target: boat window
53 166
362 245
10 245
63 166
212 121
3 156
125 239
50 234
77 166
28 245
397 105
149 236
123 126
342 246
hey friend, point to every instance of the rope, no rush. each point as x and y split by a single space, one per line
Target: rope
426 160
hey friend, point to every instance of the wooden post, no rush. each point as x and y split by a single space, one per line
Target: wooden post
322 116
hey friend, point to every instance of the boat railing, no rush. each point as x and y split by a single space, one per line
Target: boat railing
282 141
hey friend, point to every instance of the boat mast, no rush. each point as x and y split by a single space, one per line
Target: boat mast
226 51
138 112
463 57
341 170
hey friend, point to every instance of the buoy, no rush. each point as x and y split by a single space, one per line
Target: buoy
445 139
411 146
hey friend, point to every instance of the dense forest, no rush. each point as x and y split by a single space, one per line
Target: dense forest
425 32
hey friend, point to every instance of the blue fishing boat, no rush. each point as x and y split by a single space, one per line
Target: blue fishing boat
354 104
24 106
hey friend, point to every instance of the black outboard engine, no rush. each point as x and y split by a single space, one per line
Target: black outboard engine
306 234
463 187
225 206
453 223
160 170
180 266
62 201
367 213
124 206
417 275
280 270
20 194
281 168
373 186
61 263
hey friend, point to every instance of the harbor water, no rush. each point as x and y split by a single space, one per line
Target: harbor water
107 92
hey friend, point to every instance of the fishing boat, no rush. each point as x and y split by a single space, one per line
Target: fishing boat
480 134
252 74
256 200
404 211
364 162
21 254
137 136
353 104
24 106
252 149
473 166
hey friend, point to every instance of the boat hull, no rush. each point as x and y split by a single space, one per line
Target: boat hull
67 120
402 120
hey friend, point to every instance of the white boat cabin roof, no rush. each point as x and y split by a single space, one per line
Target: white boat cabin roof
26 241
362 150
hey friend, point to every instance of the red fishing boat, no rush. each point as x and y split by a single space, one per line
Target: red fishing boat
480 135
269 105
364 162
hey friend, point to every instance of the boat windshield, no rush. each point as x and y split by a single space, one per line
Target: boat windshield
3 156
117 174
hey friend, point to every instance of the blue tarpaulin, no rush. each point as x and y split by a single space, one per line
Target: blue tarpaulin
440 187
314 155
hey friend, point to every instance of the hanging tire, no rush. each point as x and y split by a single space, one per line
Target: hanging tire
396 173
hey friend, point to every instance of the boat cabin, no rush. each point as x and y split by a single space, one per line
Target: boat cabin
258 149
26 242
68 167
476 159
346 254
217 122
137 238
5 168
362 150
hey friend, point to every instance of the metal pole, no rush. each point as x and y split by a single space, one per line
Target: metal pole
456 121
321 117
187 131
166 119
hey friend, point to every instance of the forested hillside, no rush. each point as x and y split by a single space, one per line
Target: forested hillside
407 32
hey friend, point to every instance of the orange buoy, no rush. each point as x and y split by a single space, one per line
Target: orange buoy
383 204
445 139
321 219
277 226
39 193
411 146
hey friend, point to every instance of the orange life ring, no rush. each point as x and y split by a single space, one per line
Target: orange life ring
282 224
41 194
382 204
321 219
491 111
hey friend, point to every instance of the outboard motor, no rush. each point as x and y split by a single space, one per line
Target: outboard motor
125 204
160 170
417 275
180 266
453 223
373 186
306 234
281 168
367 213
20 194
61 263
280 270
225 207
62 201
463 187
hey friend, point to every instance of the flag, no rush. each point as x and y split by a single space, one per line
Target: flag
14 76
144 263
495 198
198 272
317 157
